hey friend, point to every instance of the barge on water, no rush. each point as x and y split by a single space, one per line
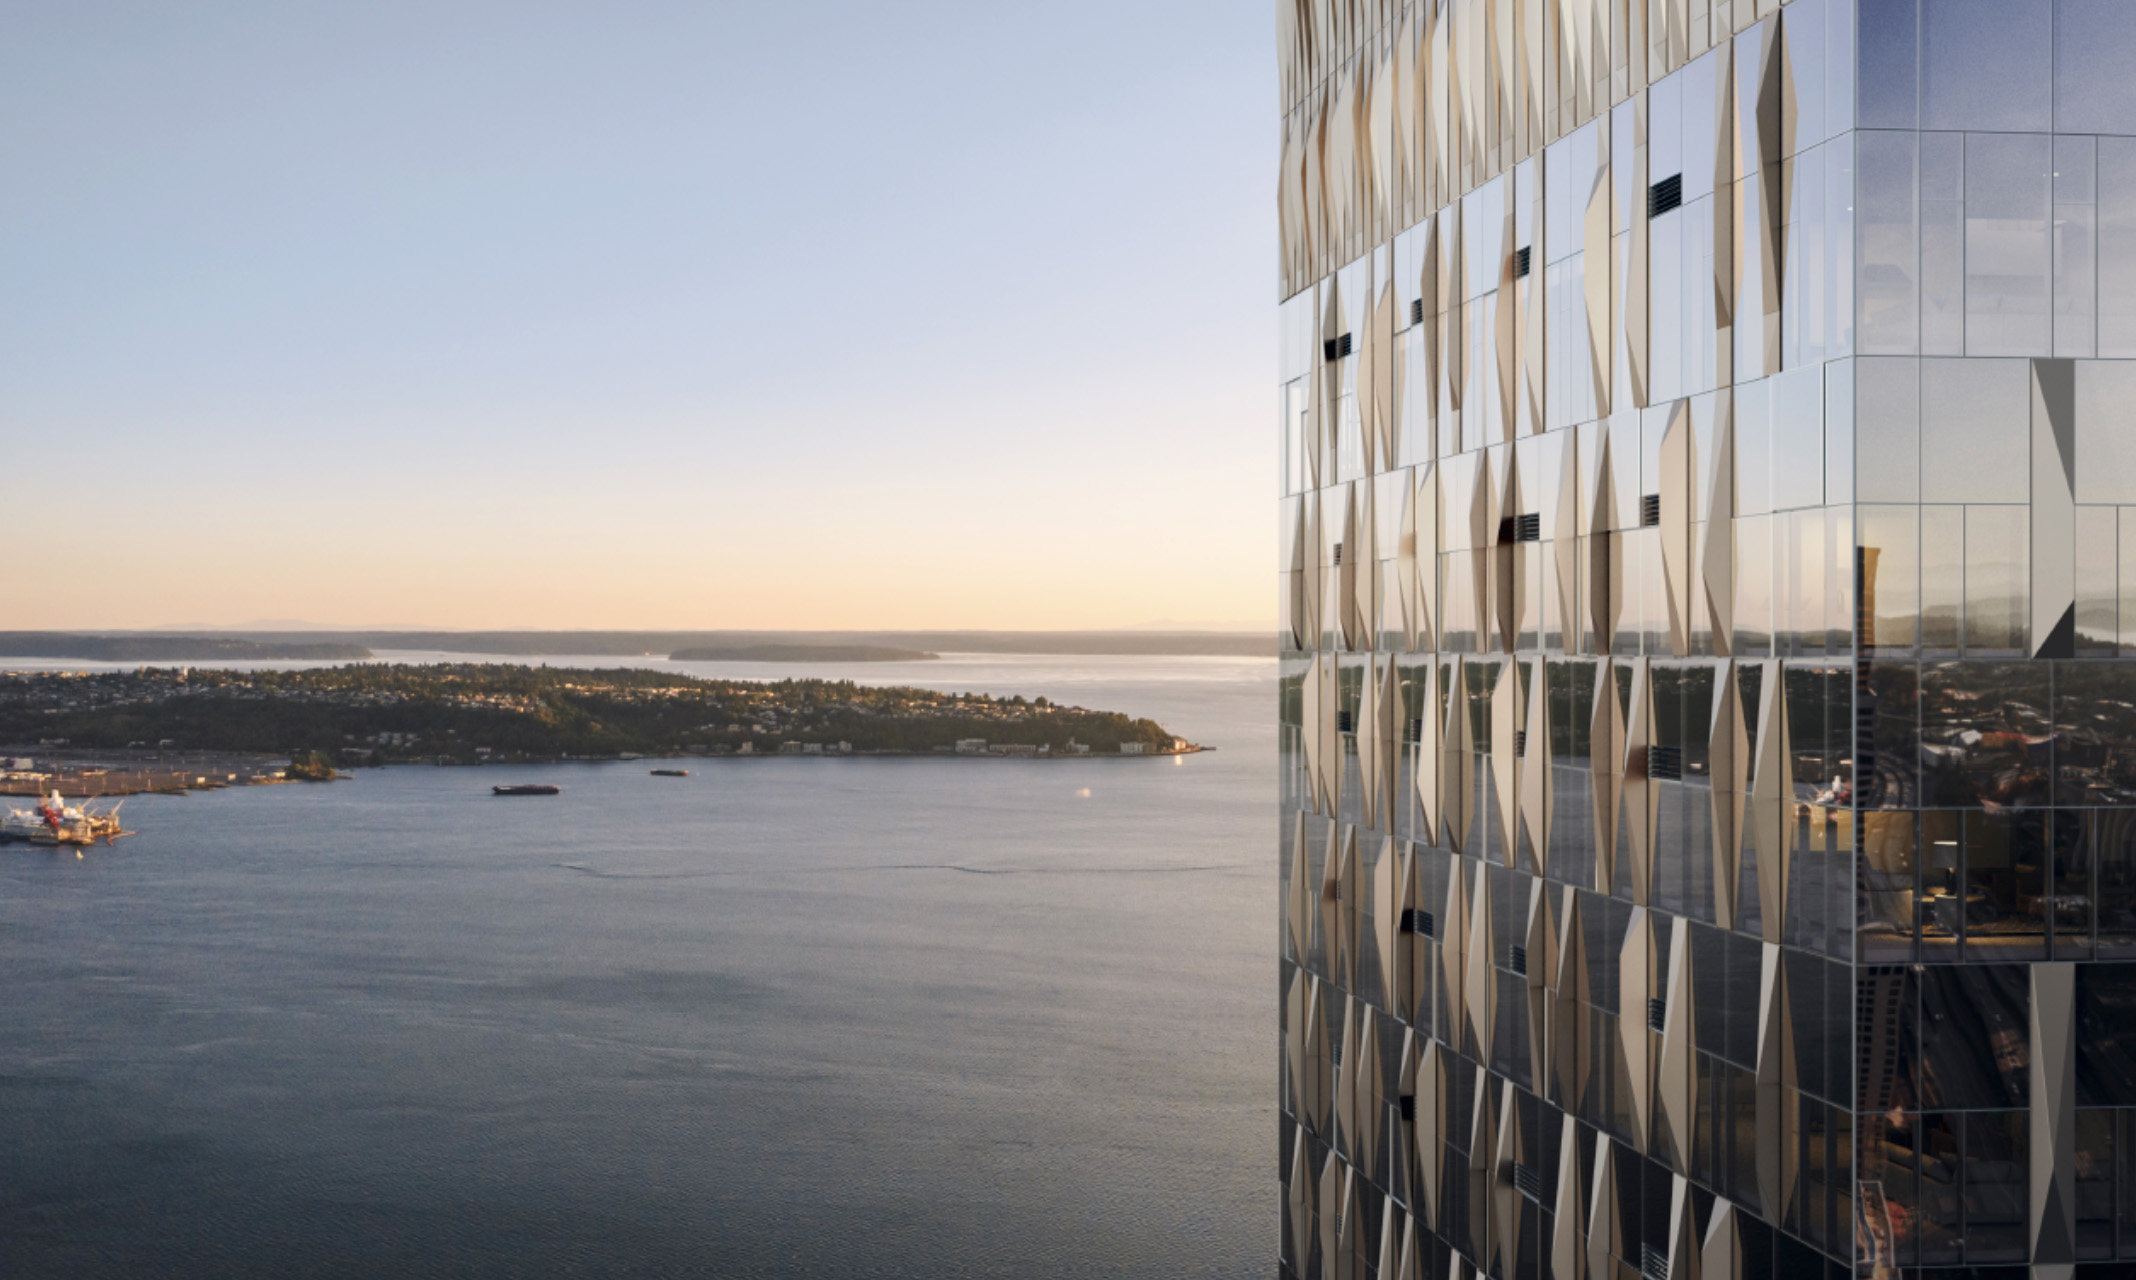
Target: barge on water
528 789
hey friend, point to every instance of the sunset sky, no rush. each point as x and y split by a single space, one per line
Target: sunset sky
648 315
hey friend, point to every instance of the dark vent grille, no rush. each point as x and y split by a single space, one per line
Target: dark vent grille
1528 1182
1338 555
1519 962
1650 510
1416 311
1653 1263
1416 731
1520 262
1666 763
1419 922
1528 528
1520 744
1657 1014
1342 722
1336 348
1409 1107
1665 196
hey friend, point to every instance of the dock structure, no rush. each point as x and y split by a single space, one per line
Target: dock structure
93 774
102 784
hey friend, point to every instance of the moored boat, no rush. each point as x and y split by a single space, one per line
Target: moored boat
55 822
528 789
671 773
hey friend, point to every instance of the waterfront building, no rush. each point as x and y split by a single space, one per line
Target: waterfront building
1708 816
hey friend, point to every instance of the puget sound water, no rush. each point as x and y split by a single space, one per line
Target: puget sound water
783 1017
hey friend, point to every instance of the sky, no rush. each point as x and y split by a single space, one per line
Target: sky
642 315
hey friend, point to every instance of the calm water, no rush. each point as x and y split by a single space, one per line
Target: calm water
782 1017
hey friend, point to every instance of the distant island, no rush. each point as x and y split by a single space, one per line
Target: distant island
470 713
802 653
146 647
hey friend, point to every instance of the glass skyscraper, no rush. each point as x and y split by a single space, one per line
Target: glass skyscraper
1708 827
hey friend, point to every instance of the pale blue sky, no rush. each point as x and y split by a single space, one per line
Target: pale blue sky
535 314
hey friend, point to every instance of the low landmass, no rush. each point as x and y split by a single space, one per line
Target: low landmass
1248 644
468 713
802 653
145 647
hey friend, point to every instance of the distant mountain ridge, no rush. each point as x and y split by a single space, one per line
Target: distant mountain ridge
149 647
661 643
803 653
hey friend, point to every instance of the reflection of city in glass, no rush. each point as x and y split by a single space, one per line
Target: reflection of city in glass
1709 699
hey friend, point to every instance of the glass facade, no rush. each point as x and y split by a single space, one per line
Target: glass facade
1708 832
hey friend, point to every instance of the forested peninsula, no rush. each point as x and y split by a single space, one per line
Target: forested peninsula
469 712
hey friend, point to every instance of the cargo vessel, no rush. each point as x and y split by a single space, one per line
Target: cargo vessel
528 789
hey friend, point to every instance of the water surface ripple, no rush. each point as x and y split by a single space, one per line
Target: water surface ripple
715 1025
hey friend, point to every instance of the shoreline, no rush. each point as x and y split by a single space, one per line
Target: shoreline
93 775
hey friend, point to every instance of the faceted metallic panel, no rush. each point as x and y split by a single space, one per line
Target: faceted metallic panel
1717 573
1606 751
1604 1215
1678 462
1430 1131
1453 955
1684 1258
2054 512
1347 1111
1568 1243
1676 1064
1777 1100
1635 987
1570 1048
1771 805
1298 910
1728 756
1387 902
1534 782
2052 1094
1299 1200
1506 722
1635 323
1366 1093
1457 761
1430 716
1480 1000
1642 795
1721 1252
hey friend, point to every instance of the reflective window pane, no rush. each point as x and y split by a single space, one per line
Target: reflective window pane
1943 244
2117 246
1887 429
2106 431
2093 90
2076 262
1890 35
1885 231
1890 569
2009 260
1997 577
1976 430
1967 45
